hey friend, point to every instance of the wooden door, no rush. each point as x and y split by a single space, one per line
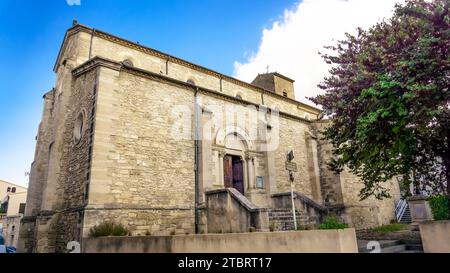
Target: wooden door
228 171
238 174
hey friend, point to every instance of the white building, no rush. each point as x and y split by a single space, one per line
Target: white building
12 207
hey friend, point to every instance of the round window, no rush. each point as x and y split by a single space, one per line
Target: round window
78 128
128 62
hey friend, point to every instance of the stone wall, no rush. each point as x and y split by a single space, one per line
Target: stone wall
142 176
311 241
293 137
11 229
76 161
330 182
47 187
370 212
342 191
435 236
228 211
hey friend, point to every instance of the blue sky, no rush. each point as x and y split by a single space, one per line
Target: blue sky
213 33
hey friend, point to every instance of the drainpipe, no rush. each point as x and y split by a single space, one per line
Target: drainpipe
196 156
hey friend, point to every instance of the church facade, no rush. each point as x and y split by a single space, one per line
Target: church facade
163 146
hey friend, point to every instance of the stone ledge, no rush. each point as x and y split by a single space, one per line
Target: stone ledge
311 241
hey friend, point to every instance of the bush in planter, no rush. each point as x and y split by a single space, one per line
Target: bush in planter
393 227
108 229
439 207
332 222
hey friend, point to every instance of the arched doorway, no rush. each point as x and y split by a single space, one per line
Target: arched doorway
234 172
235 168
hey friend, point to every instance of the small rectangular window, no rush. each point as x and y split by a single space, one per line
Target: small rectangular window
285 94
13 190
260 182
22 208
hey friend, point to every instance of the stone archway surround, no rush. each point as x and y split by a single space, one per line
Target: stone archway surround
248 154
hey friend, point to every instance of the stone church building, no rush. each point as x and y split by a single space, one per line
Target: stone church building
163 146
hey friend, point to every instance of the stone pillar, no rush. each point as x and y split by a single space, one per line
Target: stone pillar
316 178
206 160
250 170
221 174
420 209
247 186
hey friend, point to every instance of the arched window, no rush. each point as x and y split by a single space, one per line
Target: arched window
285 94
9 189
128 62
190 81
13 190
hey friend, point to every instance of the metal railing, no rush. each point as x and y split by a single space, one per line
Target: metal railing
400 208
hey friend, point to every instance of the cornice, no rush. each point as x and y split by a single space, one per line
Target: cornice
115 39
103 62
94 63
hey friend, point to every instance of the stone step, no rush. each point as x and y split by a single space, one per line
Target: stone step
289 220
362 244
281 219
394 249
284 211
287 215
392 246
414 247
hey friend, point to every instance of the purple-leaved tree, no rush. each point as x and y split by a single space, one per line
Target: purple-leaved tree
388 99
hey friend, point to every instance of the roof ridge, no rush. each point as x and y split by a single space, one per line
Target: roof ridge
94 31
14 184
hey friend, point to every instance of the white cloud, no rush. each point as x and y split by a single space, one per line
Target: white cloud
73 2
291 45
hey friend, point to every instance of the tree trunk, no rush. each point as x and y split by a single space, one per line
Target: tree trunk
446 159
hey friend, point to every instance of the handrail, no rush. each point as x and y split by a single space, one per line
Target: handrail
400 209
305 199
240 198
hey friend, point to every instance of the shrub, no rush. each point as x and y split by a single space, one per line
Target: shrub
439 207
301 227
390 228
108 229
332 222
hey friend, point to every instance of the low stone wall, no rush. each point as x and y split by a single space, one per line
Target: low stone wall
311 241
228 211
435 236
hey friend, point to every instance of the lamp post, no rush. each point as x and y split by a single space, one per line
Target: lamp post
291 177
292 167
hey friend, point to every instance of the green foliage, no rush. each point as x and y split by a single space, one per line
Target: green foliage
2 210
439 207
388 99
390 228
332 222
301 227
108 229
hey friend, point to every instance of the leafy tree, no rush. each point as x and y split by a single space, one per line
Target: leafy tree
388 99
